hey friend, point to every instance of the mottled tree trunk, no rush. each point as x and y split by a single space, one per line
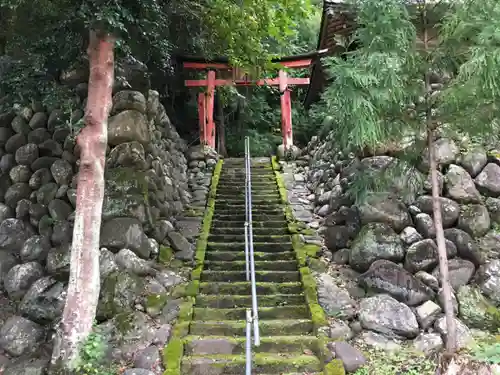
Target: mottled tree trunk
83 289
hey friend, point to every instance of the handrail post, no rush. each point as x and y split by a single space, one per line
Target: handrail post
255 315
252 315
248 351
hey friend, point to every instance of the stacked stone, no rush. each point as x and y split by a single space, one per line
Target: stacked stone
387 244
201 163
146 188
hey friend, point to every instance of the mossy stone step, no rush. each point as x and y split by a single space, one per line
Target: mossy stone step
257 207
235 216
241 194
259 177
258 202
241 198
280 265
268 276
238 184
227 256
241 169
207 345
290 327
260 247
244 288
232 313
262 363
255 224
232 301
238 210
256 237
256 230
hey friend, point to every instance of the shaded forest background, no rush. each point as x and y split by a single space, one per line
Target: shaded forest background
41 41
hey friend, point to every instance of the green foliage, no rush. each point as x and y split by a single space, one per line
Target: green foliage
404 361
489 353
255 112
247 28
92 357
370 85
380 92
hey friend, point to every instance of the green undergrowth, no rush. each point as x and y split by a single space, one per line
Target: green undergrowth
172 354
304 252
402 361
335 367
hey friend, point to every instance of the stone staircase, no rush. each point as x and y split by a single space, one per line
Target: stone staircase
215 344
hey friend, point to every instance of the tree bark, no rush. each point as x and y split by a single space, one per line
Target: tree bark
451 336
84 281
221 131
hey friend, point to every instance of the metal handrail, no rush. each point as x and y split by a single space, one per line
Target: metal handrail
252 315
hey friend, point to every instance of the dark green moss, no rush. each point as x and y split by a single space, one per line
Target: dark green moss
302 252
335 367
165 255
155 302
180 291
173 352
172 356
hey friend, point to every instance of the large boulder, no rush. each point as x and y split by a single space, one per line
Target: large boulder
20 336
488 181
460 185
476 311
13 233
464 335
466 246
460 272
387 277
128 126
385 210
124 232
421 256
129 100
386 315
474 161
449 209
488 278
445 151
474 219
335 301
375 241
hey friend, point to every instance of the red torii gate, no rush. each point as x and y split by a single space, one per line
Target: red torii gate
206 99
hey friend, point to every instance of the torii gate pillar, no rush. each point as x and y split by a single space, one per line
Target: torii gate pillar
206 112
286 110
206 100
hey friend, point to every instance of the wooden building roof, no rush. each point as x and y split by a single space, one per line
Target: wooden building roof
336 21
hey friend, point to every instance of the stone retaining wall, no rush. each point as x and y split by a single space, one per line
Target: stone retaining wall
156 189
380 279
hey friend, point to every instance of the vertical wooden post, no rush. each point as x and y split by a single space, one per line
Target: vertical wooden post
286 110
210 135
202 117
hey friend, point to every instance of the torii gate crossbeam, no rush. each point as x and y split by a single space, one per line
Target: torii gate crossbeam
206 99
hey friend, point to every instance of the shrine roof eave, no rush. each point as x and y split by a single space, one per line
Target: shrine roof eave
225 60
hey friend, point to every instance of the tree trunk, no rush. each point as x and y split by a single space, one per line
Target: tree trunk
84 282
221 131
451 336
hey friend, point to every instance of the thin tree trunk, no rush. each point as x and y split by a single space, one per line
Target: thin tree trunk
451 336
221 131
84 282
